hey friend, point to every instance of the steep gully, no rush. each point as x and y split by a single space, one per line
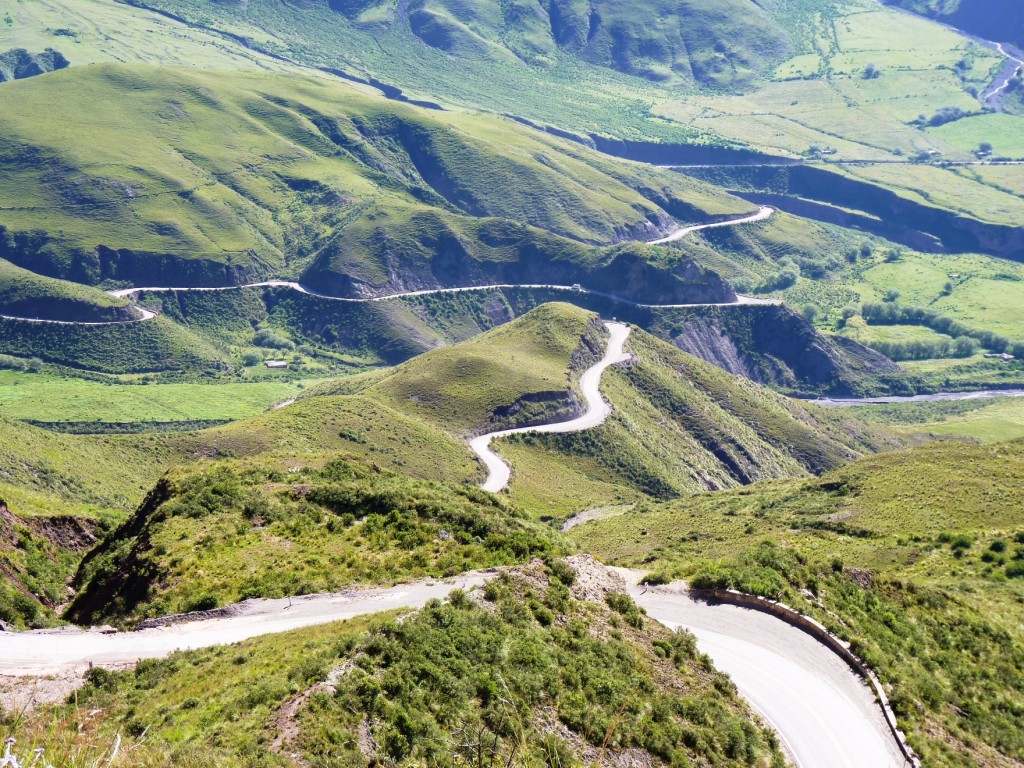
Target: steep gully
144 314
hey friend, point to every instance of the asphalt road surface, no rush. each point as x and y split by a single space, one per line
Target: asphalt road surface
826 715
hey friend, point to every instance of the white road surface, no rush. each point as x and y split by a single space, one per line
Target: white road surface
682 232
145 314
826 715
51 652
498 472
1006 83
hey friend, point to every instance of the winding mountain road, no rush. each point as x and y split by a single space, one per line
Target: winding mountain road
1015 63
824 713
145 314
498 472
763 213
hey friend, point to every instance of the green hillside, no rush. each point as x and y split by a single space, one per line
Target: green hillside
272 529
680 426
26 294
581 671
319 181
914 556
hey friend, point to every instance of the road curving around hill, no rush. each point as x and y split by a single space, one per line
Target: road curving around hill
147 314
825 715
70 650
763 213
498 472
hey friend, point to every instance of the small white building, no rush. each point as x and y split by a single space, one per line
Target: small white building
276 363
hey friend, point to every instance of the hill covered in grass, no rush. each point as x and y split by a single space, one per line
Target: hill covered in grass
680 426
916 557
714 44
270 528
349 191
26 294
547 663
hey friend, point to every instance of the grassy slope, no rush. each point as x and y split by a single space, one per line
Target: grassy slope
817 97
39 553
414 419
306 159
565 667
25 294
939 616
52 398
228 531
680 426
153 346
987 421
461 389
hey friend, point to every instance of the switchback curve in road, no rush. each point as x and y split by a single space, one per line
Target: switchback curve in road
763 213
498 472
825 714
144 315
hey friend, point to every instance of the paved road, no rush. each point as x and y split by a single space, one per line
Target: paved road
825 714
986 394
433 291
498 472
145 314
51 652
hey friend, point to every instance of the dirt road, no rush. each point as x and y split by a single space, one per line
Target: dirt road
679 234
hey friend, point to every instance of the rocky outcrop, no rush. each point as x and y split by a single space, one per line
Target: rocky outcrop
102 572
18 63
64 531
773 345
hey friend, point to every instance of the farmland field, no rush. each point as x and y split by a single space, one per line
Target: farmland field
50 398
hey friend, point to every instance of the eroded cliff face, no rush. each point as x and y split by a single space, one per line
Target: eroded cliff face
901 219
502 253
43 254
772 345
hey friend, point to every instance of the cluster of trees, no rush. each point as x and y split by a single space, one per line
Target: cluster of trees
965 340
11 363
942 116
927 349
